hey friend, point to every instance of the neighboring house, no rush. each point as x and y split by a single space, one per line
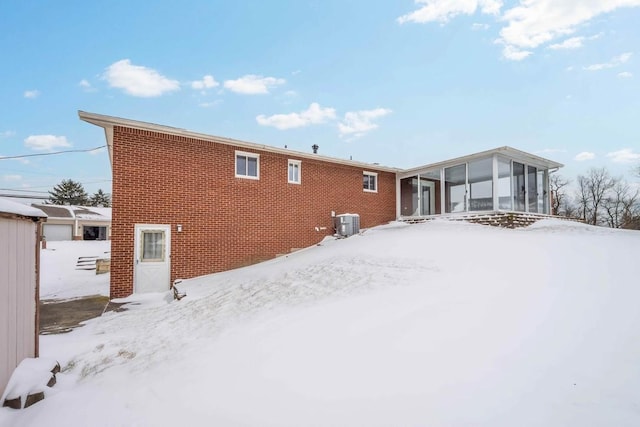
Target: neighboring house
188 204
75 222
19 285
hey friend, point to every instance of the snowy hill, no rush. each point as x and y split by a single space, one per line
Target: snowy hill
435 324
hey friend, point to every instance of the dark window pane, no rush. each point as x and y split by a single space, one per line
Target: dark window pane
241 165
252 166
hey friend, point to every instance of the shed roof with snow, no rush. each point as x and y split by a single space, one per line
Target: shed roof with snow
9 207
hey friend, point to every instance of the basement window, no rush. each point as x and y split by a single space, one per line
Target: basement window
370 182
294 171
247 165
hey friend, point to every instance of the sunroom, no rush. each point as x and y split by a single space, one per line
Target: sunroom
499 180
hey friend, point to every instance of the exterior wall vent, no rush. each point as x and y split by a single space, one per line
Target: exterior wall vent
347 224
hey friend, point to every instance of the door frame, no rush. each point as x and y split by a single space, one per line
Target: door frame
431 205
138 246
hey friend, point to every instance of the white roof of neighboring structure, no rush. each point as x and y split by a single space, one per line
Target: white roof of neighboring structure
82 212
11 207
76 212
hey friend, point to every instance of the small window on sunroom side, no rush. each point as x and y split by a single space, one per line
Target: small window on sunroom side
294 169
247 165
370 182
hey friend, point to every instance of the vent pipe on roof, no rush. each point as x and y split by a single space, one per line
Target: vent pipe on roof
315 147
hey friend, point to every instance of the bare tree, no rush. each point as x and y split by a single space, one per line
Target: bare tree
621 204
582 199
592 191
559 196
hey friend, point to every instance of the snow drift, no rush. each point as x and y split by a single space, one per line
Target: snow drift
433 324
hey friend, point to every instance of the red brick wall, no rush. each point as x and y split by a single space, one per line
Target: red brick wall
227 222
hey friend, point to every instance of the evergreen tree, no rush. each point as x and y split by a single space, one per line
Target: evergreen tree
68 192
100 199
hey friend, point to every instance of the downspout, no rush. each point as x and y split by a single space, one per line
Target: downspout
398 199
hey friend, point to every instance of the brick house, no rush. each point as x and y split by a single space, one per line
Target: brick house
186 204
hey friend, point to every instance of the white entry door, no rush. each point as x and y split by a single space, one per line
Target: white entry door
152 258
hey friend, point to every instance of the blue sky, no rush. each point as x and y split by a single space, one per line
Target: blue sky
401 83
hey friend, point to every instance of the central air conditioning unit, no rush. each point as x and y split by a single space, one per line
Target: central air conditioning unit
347 224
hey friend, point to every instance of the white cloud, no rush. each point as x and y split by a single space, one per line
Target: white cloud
210 103
527 25
311 116
138 81
357 123
479 27
252 84
585 155
31 94
12 178
86 86
45 142
625 75
615 62
572 43
207 82
626 155
535 22
444 10
515 54
7 134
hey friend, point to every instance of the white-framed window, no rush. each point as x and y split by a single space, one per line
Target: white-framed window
247 165
370 182
293 170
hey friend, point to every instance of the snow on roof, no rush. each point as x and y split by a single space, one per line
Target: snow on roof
11 207
92 213
54 211
76 212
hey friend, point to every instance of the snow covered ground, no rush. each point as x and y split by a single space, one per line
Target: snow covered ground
61 279
436 324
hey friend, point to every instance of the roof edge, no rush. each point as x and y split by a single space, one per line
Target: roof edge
504 150
108 123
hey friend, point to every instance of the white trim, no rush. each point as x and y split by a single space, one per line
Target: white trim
299 164
509 152
375 175
247 155
443 196
494 185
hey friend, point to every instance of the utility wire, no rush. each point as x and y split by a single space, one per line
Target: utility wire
48 186
51 154
23 191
